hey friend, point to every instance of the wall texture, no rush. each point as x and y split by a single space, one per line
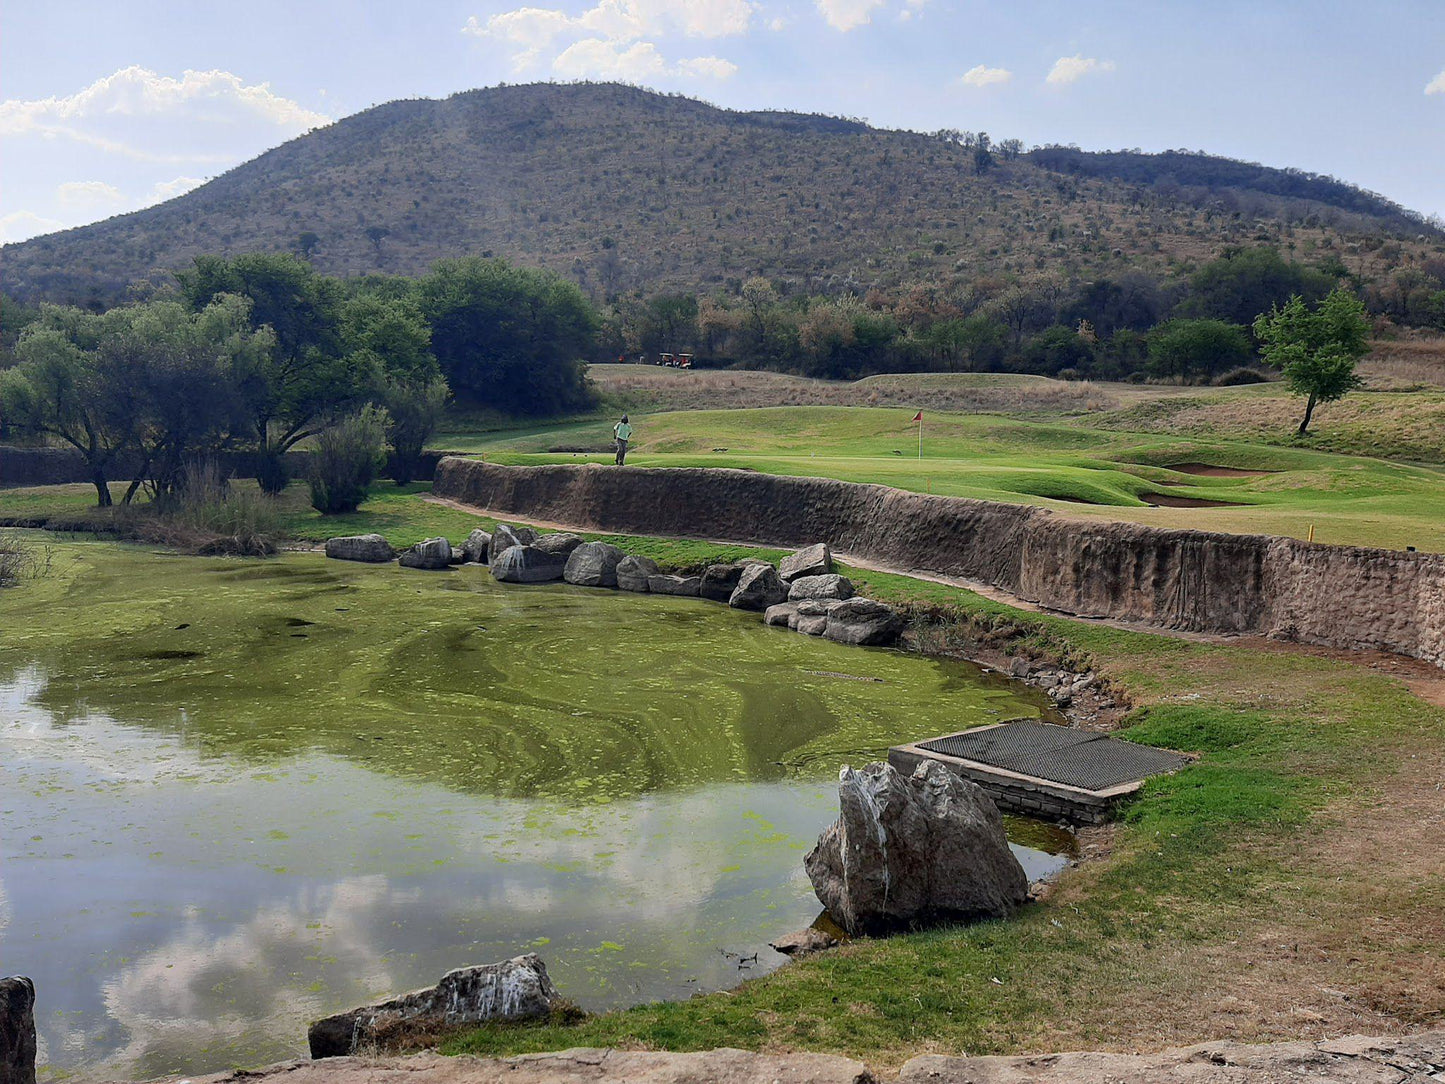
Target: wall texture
1339 596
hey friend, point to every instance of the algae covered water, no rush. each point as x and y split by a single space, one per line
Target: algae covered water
235 796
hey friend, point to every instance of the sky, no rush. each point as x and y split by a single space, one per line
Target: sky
109 107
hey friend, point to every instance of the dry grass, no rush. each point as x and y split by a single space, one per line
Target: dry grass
1407 363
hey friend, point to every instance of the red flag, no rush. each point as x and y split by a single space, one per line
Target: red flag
918 417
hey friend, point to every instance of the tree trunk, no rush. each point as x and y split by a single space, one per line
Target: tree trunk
102 487
1309 413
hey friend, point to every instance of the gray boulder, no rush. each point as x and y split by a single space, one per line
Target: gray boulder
434 553
593 564
477 548
829 585
634 572
17 1031
810 625
506 536
758 588
528 564
518 989
360 547
810 616
674 585
911 851
720 581
863 621
561 544
815 560
782 614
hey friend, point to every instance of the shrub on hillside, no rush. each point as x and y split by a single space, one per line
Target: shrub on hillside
1243 375
346 460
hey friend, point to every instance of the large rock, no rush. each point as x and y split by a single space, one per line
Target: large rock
360 547
506 536
810 616
593 564
17 1031
477 548
633 573
782 614
863 621
911 851
528 564
434 553
674 585
720 581
517 989
758 588
561 544
829 585
815 560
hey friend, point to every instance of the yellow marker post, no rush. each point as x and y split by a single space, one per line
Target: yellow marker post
1312 532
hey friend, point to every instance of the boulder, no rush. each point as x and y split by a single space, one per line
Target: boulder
863 621
758 588
434 553
804 942
674 585
720 581
593 564
360 547
561 544
810 625
633 573
829 585
17 1031
782 613
911 851
815 560
506 536
528 564
518 989
477 548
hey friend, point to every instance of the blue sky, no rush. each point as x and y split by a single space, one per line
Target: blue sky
106 107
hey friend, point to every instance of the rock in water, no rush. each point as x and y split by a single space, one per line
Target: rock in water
433 553
863 621
506 536
360 547
758 588
528 564
518 989
634 572
674 585
593 564
17 1031
477 547
830 585
815 560
720 581
915 850
561 544
783 614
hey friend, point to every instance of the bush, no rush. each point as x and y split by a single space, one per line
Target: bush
346 460
1243 375
21 558
207 515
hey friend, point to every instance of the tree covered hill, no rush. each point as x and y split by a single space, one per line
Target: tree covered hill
623 189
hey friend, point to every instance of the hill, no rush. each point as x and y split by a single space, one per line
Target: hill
622 189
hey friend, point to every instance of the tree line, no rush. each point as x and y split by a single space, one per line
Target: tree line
261 353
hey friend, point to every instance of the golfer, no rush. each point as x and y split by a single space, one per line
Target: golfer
622 431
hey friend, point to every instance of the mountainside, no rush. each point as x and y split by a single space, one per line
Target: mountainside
621 189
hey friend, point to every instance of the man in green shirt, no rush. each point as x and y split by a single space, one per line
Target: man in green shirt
623 432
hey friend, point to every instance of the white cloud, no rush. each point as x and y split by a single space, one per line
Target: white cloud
981 76
164 190
18 225
601 59
1436 85
88 196
707 67
140 113
1069 69
848 14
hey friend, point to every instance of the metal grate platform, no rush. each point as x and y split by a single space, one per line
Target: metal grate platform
1075 758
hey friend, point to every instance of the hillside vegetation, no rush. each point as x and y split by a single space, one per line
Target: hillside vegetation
621 189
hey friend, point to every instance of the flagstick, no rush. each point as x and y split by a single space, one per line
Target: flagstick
920 437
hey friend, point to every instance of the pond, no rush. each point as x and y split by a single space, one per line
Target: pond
236 796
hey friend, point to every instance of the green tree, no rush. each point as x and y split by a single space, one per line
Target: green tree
510 338
345 461
1316 349
309 379
307 241
1198 349
1244 282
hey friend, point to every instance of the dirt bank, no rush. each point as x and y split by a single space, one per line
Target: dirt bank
1193 581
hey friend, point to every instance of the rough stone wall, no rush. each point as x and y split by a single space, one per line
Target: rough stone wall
1339 596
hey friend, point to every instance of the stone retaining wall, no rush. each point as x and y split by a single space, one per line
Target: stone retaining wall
1338 596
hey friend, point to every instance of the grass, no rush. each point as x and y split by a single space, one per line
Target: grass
1064 464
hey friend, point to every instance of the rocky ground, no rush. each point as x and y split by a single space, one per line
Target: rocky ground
1419 1059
